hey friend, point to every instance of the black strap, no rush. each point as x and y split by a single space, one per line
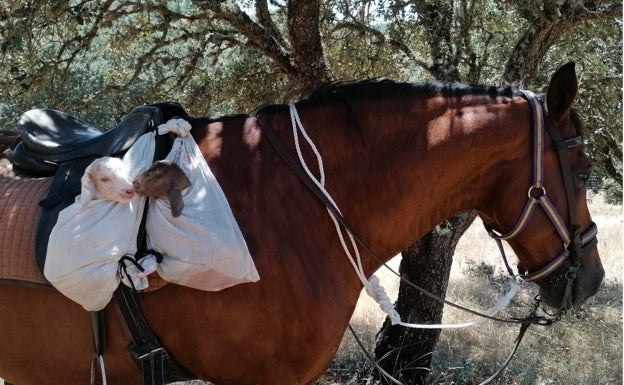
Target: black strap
568 182
523 329
157 365
565 144
389 377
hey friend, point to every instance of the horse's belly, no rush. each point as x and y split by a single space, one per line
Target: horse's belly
19 215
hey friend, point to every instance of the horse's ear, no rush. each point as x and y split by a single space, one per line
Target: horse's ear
561 92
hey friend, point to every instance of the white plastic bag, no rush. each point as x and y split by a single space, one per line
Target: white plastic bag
87 242
203 248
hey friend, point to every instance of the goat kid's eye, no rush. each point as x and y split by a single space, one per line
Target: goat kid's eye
105 179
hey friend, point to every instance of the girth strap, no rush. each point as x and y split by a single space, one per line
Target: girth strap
157 365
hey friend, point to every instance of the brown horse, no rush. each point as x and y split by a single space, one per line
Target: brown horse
398 158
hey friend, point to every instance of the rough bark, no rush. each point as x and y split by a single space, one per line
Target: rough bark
546 25
437 17
303 60
258 36
305 37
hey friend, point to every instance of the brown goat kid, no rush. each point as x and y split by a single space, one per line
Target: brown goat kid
166 180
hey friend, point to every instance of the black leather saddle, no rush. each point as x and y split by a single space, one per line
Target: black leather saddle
50 138
59 144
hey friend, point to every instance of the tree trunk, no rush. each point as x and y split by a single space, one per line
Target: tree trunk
405 352
307 47
548 23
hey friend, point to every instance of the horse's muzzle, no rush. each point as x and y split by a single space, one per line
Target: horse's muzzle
587 282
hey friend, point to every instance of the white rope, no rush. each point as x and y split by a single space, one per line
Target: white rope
372 285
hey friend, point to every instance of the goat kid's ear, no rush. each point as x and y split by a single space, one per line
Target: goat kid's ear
183 181
87 191
175 200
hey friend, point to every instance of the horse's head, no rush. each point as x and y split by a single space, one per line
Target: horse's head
553 235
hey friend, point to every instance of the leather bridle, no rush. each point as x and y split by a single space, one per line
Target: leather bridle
574 241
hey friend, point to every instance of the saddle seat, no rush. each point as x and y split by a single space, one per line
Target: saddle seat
51 137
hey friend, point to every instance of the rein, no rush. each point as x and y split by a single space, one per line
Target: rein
298 170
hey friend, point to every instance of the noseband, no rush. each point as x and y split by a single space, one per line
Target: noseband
574 241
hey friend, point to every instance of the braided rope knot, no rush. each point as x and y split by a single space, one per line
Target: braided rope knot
378 293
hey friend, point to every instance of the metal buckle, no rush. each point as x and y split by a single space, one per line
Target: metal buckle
146 350
539 194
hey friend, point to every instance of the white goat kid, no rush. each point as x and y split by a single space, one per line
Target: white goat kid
107 178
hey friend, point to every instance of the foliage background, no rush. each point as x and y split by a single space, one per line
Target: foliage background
99 58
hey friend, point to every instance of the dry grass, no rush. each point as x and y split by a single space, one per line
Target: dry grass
585 348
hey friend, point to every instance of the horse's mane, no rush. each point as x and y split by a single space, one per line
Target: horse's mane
351 91
384 88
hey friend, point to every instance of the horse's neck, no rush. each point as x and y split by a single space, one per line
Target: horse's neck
398 174
395 171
